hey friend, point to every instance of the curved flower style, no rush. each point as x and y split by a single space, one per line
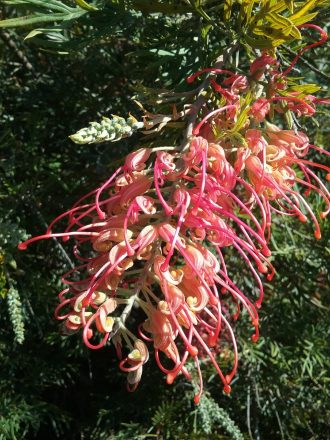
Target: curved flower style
159 232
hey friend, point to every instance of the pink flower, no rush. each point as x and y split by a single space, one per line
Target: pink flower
260 65
294 142
159 233
260 109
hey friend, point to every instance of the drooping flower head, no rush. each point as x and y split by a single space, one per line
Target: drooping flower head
160 233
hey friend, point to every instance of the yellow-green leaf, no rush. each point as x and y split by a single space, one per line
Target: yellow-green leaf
304 19
278 21
246 10
295 33
227 9
289 119
277 6
309 5
290 5
205 30
306 89
86 5
258 43
33 34
241 119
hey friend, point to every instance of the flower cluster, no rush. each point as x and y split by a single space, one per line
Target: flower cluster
159 233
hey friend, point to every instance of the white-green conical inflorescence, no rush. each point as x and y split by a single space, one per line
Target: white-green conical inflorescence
15 313
107 130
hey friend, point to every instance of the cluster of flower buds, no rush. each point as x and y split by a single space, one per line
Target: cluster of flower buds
155 241
107 130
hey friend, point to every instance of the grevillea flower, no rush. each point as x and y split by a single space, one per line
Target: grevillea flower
260 109
261 65
160 232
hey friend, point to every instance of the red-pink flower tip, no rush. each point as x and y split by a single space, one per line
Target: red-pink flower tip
197 399
227 389
254 338
193 350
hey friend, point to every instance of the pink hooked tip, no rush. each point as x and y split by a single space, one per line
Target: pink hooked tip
170 377
317 235
262 268
100 213
323 39
212 340
190 79
23 246
270 276
254 338
65 237
193 350
227 389
213 300
198 127
302 218
266 252
86 302
164 267
197 399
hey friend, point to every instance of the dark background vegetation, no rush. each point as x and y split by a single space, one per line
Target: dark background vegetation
53 387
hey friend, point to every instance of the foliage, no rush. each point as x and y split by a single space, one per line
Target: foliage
77 66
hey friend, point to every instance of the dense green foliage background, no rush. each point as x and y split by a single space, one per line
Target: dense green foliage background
53 387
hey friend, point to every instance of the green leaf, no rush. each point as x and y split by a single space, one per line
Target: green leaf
258 43
42 18
40 31
51 4
306 89
86 5
290 5
304 19
227 9
309 5
246 10
205 30
278 21
33 34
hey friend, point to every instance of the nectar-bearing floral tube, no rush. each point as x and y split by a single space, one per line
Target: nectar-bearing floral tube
165 230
